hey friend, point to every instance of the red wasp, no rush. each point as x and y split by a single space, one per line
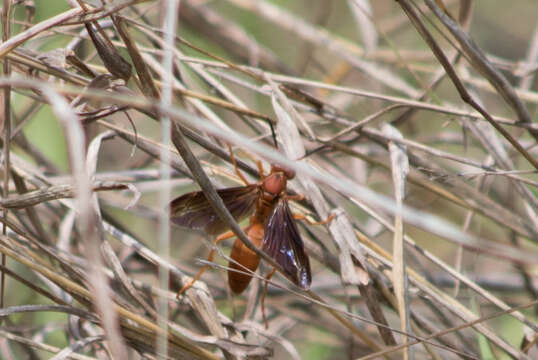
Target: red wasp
271 227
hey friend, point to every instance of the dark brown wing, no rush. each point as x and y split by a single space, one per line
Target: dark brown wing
192 210
283 243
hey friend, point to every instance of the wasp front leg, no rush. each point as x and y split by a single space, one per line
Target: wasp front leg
310 222
300 197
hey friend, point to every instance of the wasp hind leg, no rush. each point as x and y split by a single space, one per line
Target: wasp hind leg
264 294
226 235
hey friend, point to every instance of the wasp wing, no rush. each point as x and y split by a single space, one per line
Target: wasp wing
192 210
283 243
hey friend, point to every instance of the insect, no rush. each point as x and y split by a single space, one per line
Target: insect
271 226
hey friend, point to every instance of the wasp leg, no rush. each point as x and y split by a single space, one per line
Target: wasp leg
266 282
226 235
297 197
310 222
300 197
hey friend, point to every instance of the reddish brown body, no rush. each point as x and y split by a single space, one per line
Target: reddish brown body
270 189
237 279
271 227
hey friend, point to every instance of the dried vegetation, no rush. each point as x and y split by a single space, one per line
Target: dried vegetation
419 139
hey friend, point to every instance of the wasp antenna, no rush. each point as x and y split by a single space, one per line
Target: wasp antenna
273 133
313 151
